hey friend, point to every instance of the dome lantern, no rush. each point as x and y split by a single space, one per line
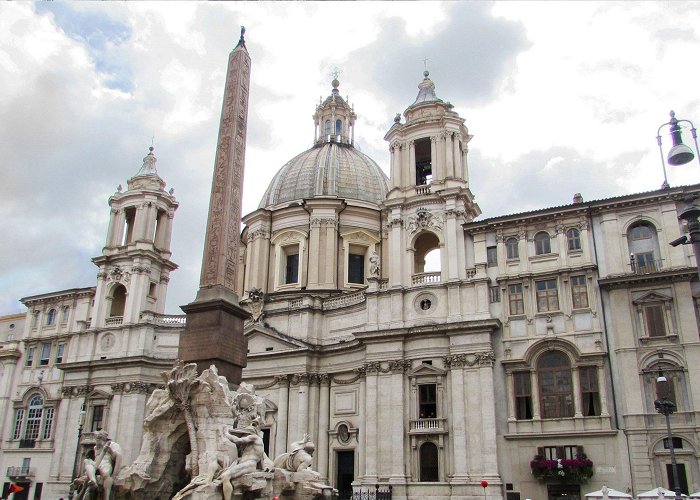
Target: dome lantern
334 119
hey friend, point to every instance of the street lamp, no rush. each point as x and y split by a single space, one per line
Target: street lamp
679 154
665 406
81 422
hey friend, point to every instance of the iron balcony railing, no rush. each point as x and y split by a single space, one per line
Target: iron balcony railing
20 472
648 267
376 492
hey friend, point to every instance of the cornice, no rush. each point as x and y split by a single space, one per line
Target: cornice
662 276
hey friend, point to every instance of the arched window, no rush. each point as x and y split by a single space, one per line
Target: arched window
51 317
118 301
573 239
542 243
38 423
36 408
338 127
328 127
643 247
426 244
512 251
429 462
555 385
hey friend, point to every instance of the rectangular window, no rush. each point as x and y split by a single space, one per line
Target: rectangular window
31 432
291 272
579 292
356 268
424 167
491 256
590 395
522 390
37 490
677 443
48 423
515 299
97 417
427 401
654 323
17 429
59 353
512 251
567 452
494 294
547 297
45 354
30 357
644 263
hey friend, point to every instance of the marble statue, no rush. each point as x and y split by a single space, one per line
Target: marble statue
374 266
203 441
101 470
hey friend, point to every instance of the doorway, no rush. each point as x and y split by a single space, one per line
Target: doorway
563 492
344 473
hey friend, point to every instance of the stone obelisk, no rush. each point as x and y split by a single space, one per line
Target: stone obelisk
214 330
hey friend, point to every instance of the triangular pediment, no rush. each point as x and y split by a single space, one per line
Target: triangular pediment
262 339
652 297
98 394
426 369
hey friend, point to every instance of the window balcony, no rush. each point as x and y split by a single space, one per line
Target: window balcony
425 278
15 473
114 321
428 426
648 267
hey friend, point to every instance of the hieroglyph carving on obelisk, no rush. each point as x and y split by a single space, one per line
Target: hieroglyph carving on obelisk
219 265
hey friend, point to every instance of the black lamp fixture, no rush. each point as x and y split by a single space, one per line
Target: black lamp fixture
666 407
679 154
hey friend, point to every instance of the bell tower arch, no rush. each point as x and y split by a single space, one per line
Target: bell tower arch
428 189
135 265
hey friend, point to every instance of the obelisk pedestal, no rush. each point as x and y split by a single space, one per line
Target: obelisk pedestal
214 330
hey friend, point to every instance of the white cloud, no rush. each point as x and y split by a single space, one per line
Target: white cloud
562 97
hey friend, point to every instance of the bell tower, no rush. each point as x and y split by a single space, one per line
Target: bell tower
135 265
428 150
429 197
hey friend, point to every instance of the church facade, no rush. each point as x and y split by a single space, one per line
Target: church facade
538 337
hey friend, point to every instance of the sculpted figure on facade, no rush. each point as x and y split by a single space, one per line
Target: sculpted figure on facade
374 265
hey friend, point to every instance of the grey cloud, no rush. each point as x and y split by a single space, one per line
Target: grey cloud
473 48
530 186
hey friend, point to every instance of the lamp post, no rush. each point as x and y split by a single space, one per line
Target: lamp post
81 422
665 406
679 154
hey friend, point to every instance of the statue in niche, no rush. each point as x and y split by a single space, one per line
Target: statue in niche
374 265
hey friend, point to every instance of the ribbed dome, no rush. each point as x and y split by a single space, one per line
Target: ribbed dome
328 169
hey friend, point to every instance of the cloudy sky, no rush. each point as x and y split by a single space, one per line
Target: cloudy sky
560 97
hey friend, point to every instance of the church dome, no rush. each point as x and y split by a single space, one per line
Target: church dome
332 167
328 169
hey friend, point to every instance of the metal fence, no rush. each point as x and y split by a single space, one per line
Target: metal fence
376 492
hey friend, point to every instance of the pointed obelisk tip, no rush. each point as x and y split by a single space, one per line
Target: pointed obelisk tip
241 41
